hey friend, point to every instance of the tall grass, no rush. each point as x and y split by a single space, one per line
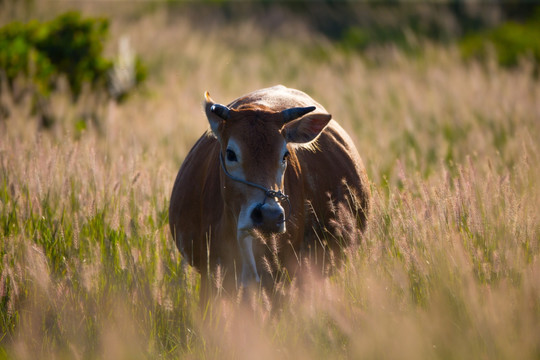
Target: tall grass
448 268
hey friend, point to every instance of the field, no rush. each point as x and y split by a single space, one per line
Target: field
449 266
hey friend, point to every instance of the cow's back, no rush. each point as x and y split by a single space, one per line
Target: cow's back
277 98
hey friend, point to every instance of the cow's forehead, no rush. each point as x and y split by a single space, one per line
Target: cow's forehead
255 131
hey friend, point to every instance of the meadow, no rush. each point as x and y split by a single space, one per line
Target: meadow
448 268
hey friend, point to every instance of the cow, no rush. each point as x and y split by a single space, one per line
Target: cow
274 180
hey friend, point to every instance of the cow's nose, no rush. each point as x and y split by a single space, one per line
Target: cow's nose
268 218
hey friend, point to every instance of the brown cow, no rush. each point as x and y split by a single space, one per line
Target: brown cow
273 165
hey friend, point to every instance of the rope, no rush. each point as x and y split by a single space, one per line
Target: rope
268 193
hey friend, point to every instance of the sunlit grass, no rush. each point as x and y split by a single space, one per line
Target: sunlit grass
448 267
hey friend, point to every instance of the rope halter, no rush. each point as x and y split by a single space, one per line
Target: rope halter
268 193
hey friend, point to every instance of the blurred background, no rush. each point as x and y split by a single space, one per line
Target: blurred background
100 101
77 64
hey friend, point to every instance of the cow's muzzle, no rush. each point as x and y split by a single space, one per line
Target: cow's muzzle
268 218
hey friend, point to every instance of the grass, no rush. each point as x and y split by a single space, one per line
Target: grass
448 268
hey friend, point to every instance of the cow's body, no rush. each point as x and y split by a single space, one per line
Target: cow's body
325 181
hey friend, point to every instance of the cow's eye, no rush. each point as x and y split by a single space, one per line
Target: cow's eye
231 155
286 157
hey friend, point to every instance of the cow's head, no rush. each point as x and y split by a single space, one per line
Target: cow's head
255 145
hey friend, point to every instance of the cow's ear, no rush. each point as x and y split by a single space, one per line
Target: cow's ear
217 114
305 129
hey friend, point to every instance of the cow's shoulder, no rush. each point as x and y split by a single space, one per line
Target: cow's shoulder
335 154
195 198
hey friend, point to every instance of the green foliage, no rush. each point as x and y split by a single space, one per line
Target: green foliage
510 42
68 45
35 55
74 45
357 38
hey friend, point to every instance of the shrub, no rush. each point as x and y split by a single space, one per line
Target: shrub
69 46
510 42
